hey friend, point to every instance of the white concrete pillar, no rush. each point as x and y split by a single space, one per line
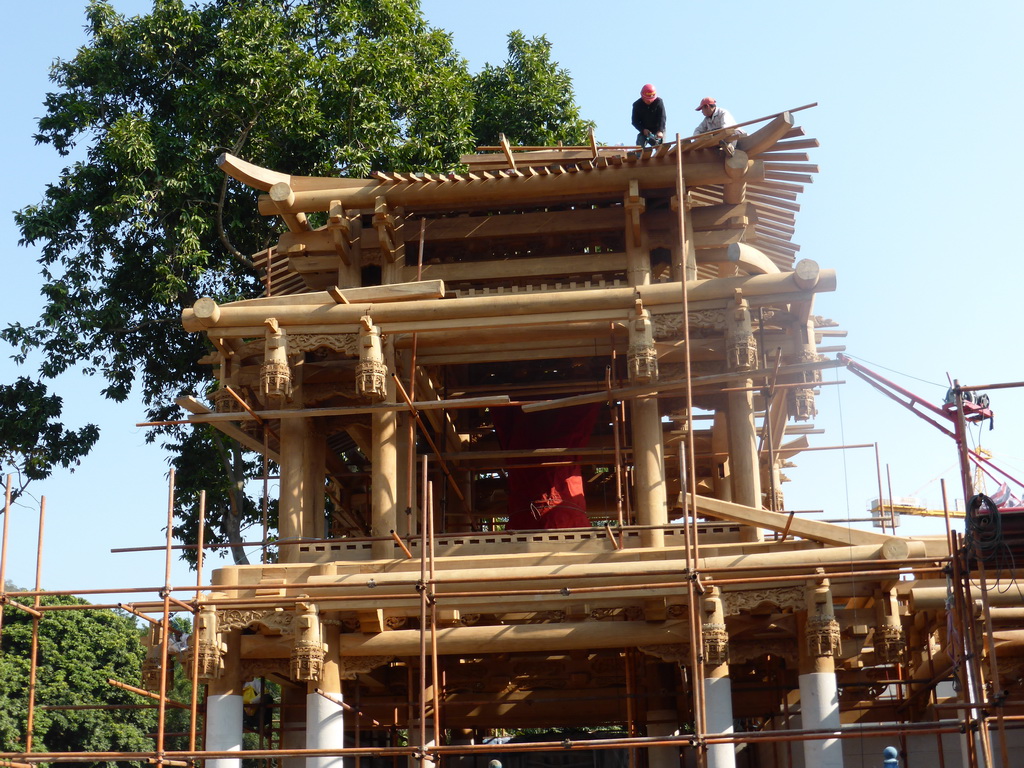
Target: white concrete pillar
718 711
325 721
819 693
819 709
429 741
224 728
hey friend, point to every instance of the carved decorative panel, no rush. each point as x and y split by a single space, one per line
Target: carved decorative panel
275 620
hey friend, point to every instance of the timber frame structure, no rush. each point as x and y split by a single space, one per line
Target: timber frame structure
655 295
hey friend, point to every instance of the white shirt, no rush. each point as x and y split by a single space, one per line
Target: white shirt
720 118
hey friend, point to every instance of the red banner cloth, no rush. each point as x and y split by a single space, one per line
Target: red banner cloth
545 497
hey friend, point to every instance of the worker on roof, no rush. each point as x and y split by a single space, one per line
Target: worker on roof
649 117
716 118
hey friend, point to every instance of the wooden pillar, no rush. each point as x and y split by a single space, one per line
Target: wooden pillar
293 482
384 461
649 488
741 355
684 252
648 448
301 510
638 254
313 496
720 467
293 723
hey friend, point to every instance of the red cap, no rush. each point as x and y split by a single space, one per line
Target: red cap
707 101
648 88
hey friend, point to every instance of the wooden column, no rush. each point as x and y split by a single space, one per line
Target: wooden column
721 469
648 449
384 460
638 255
301 511
315 458
293 722
649 470
294 477
741 355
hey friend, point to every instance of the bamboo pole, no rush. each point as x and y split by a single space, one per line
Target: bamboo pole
421 632
143 692
3 551
165 626
33 660
194 670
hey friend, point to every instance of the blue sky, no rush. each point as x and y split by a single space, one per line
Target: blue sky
916 208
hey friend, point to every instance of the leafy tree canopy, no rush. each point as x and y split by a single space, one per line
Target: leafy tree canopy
34 442
79 650
529 98
141 223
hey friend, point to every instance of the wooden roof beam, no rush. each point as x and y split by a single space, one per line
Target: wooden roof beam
748 258
206 313
766 136
283 198
316 194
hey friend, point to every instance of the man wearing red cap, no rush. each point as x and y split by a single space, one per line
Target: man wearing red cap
649 117
716 117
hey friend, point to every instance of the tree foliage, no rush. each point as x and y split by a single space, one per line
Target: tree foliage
79 650
529 98
141 222
34 442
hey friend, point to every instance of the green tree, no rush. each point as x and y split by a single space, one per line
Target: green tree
34 442
79 650
529 98
141 223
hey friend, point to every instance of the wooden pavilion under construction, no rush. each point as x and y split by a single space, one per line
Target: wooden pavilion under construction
531 421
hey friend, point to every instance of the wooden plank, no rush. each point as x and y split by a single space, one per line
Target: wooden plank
588 264
777 242
774 228
803 178
771 156
768 192
507 150
813 530
769 201
204 415
785 146
792 167
780 186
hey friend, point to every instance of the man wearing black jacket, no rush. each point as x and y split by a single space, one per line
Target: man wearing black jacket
649 117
